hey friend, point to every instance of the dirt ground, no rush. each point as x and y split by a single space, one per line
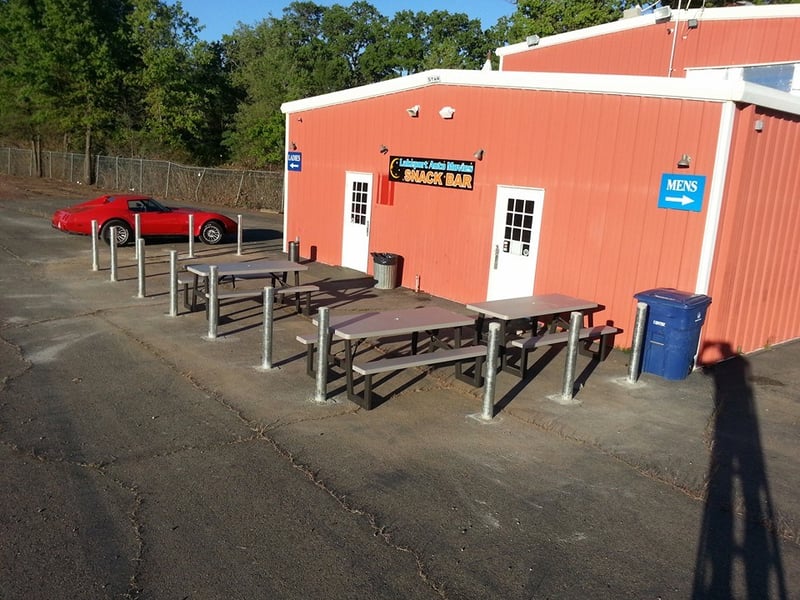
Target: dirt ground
22 188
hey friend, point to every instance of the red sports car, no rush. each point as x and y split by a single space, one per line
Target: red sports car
156 219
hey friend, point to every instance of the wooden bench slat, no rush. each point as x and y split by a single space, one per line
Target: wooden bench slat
383 365
236 294
297 289
606 334
548 339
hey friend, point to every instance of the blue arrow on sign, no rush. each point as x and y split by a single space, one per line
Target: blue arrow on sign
294 161
682 192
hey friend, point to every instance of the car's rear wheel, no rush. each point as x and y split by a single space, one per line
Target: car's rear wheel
212 232
124 232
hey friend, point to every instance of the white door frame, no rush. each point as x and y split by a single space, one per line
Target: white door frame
515 241
356 220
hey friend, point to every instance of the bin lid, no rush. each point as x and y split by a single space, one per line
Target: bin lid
385 258
673 297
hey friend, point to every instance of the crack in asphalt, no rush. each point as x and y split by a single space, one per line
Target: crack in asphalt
652 472
12 254
373 521
99 469
260 433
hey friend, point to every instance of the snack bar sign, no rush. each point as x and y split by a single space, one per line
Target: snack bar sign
437 172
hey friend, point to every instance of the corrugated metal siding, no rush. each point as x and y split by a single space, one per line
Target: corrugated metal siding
756 277
429 227
603 235
647 50
643 51
598 157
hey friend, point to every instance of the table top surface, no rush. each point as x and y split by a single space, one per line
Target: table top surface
396 322
255 267
531 306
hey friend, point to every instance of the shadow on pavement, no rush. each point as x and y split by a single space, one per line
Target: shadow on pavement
738 520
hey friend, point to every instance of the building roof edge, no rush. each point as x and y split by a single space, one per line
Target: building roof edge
623 85
725 13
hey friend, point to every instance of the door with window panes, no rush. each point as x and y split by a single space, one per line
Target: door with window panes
357 209
515 242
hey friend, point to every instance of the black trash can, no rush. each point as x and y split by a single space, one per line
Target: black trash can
385 270
674 321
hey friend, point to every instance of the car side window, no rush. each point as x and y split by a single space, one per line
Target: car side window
136 206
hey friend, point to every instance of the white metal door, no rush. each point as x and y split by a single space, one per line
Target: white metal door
515 242
357 209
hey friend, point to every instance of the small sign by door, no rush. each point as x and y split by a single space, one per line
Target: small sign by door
294 161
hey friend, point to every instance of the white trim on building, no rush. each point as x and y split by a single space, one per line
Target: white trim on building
728 13
623 85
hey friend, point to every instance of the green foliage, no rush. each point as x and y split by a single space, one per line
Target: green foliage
421 41
550 17
313 50
132 77
174 78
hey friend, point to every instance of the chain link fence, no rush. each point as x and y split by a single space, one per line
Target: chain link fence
261 190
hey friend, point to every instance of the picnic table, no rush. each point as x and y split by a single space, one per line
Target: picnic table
549 310
277 270
431 320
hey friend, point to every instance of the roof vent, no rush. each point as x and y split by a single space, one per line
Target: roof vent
662 13
631 12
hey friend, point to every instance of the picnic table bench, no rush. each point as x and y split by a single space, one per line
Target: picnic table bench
355 328
605 333
396 363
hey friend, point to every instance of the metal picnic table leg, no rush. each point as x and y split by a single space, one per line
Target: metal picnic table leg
501 346
348 367
195 292
457 344
479 328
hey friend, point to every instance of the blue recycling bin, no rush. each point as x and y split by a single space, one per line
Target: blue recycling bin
674 321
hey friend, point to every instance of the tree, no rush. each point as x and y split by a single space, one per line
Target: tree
79 61
438 39
351 35
173 107
59 68
263 75
550 17
310 50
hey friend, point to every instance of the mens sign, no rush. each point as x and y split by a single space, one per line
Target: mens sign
682 192
437 172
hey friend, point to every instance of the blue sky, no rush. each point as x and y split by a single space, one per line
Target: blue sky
221 16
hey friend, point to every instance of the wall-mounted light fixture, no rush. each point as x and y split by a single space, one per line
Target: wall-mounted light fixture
447 112
383 149
413 111
758 125
692 23
532 40
684 161
293 146
478 153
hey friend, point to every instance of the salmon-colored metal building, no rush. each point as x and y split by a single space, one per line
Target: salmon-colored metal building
686 40
503 184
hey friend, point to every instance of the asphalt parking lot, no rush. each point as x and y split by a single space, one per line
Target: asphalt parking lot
140 459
